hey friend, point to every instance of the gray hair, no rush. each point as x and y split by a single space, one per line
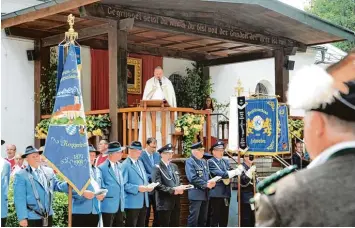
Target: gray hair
158 68
341 126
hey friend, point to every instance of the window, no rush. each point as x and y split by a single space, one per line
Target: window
261 89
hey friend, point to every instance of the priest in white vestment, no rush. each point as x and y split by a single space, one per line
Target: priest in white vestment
158 87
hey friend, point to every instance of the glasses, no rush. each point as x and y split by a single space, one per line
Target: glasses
18 158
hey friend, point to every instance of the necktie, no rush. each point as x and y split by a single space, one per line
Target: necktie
139 170
151 159
41 179
117 173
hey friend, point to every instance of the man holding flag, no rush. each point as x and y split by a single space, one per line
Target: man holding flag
33 191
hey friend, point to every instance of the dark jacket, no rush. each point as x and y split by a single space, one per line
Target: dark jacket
164 192
320 196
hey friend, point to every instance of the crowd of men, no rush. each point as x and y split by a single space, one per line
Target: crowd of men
128 196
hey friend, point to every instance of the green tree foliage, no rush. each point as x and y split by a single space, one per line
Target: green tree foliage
191 90
49 84
340 12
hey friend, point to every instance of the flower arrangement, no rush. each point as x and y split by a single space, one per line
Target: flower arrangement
190 125
96 125
296 128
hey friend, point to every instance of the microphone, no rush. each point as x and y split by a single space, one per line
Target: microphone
160 83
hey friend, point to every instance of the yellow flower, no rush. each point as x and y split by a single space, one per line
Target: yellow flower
99 132
178 129
186 132
185 128
89 135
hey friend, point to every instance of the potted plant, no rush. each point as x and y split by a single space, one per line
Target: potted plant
189 125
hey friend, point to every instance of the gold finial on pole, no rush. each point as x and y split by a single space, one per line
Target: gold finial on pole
71 35
239 89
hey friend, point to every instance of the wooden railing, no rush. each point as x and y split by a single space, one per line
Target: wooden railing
131 118
131 124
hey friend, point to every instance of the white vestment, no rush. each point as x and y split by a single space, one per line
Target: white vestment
153 91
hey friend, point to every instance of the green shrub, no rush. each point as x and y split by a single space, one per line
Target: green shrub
60 208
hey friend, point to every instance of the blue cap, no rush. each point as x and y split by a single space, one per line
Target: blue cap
136 145
168 148
30 150
217 145
197 146
93 149
114 147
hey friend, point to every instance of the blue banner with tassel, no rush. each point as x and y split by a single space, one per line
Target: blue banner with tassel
67 144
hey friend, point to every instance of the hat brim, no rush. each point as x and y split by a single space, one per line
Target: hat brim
95 151
167 151
115 151
2 142
35 151
135 148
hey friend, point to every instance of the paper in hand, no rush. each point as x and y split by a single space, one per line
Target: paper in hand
100 192
152 185
184 187
215 179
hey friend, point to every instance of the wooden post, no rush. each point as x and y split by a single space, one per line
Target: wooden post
41 60
70 205
281 74
121 75
113 99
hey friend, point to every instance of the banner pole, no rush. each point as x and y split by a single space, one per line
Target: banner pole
70 206
239 196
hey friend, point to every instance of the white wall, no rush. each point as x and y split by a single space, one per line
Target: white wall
17 86
225 77
86 77
178 66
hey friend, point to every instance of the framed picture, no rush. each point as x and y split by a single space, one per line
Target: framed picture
134 75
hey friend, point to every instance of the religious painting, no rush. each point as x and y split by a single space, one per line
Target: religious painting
134 75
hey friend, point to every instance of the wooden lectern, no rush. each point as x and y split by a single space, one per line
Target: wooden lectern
154 103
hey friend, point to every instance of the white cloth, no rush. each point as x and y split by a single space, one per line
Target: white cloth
326 154
153 91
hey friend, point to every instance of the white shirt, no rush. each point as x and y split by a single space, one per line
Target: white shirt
158 94
326 154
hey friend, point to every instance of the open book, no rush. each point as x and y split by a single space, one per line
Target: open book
216 178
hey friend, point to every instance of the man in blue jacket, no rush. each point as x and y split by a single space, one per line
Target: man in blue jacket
33 191
221 194
113 205
198 175
150 158
86 208
135 184
5 168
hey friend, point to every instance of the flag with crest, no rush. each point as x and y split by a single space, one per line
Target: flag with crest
67 144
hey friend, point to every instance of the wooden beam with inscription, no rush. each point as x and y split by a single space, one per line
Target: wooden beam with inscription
238 58
144 19
44 12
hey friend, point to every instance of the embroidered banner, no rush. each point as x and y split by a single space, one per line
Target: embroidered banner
242 124
261 115
282 129
61 61
67 143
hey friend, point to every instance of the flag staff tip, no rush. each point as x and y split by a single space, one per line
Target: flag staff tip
71 35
